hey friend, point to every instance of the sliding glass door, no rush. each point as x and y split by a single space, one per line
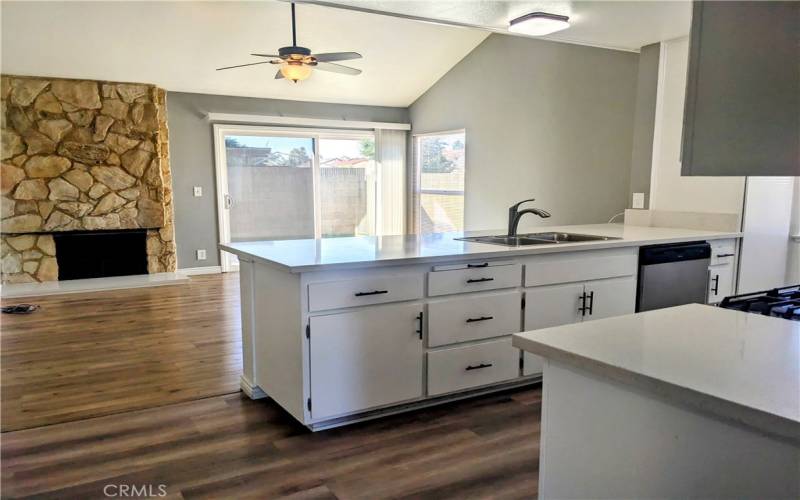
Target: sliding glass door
270 193
278 184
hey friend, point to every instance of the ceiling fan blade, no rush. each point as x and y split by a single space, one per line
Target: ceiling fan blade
243 65
337 56
278 75
337 68
265 55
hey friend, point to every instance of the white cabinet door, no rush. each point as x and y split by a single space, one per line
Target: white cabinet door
612 297
545 306
720 282
552 305
364 359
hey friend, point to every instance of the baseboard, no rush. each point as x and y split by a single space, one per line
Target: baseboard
252 391
91 285
193 271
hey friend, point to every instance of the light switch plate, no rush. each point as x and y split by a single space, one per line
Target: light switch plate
638 200
198 190
201 254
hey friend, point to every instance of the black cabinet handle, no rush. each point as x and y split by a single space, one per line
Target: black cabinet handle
715 290
591 303
478 367
473 266
482 318
582 308
419 331
480 280
376 292
725 255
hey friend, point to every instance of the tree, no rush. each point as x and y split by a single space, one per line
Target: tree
233 142
433 159
298 157
458 144
367 148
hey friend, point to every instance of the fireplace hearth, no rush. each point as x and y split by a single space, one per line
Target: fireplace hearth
100 254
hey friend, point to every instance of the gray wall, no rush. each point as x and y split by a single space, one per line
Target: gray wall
543 120
644 122
192 157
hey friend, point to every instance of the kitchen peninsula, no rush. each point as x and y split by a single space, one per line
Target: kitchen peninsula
685 402
344 329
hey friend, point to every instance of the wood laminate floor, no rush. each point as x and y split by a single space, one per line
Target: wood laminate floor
139 389
89 354
232 447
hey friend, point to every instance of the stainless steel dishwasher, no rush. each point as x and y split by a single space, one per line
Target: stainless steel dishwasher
672 275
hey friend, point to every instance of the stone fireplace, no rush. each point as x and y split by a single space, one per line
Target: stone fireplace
82 156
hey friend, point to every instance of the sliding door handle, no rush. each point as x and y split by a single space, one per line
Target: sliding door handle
228 201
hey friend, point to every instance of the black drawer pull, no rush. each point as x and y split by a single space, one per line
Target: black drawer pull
419 331
482 318
376 292
478 367
473 266
715 290
480 280
591 303
725 255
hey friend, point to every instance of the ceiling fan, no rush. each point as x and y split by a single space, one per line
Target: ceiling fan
296 63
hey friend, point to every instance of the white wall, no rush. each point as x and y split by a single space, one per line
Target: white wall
670 191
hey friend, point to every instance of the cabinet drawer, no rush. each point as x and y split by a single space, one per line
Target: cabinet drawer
474 280
580 266
364 291
722 251
461 368
473 317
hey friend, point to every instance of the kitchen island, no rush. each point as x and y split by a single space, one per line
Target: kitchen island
686 402
345 329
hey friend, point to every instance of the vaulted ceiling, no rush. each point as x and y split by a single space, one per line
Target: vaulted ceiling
178 45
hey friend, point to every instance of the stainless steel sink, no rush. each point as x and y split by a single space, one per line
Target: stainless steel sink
549 238
566 237
509 241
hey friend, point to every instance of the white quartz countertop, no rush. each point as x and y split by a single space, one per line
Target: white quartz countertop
371 251
741 367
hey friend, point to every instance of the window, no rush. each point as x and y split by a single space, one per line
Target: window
303 183
440 170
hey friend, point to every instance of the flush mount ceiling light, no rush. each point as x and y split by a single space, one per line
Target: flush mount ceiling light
538 24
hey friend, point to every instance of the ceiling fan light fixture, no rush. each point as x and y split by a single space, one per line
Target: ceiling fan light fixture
295 71
538 24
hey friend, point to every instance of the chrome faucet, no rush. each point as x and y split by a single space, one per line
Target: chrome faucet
514 215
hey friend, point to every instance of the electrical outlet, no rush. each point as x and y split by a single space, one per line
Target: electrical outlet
201 254
638 200
198 190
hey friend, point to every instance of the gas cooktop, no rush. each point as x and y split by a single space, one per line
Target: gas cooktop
778 302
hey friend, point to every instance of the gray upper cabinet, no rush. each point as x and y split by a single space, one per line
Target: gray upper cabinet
742 114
